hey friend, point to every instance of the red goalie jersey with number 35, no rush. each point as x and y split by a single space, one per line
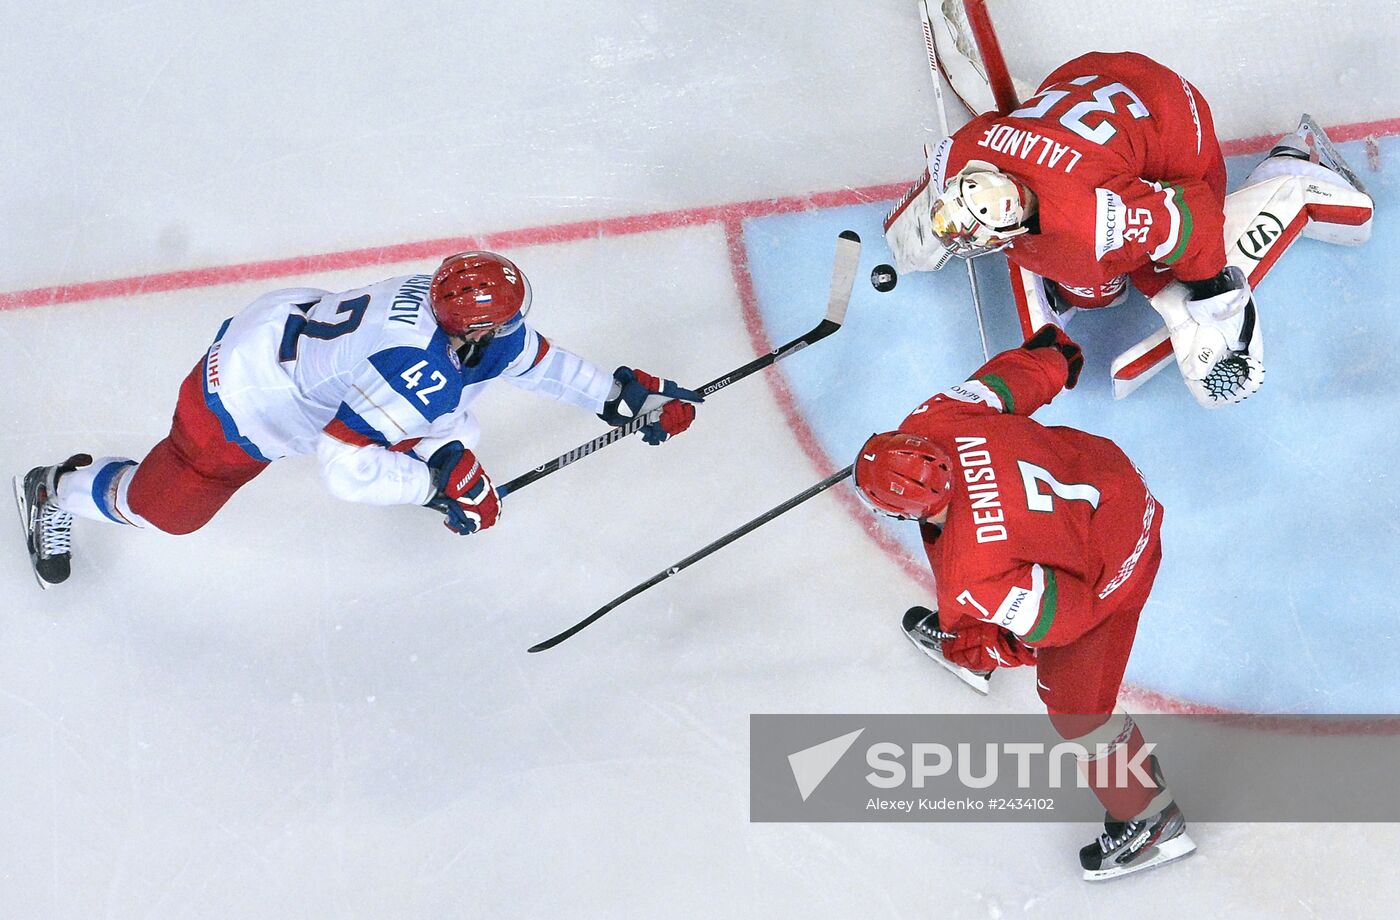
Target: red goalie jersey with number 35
1122 157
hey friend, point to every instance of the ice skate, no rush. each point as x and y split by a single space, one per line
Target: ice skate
1310 142
1131 846
48 530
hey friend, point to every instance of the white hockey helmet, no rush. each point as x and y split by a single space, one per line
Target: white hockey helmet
982 210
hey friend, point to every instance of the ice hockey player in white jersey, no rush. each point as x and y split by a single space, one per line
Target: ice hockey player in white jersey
376 382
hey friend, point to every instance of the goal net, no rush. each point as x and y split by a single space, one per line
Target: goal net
1259 63
970 56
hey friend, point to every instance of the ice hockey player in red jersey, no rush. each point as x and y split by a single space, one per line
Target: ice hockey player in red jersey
376 383
1112 173
1044 543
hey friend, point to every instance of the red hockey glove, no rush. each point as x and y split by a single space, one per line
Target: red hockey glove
982 647
636 393
464 493
1052 336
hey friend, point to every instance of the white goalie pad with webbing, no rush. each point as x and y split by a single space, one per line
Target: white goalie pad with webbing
1283 198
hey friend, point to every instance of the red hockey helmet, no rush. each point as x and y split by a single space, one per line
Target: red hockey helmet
479 291
905 476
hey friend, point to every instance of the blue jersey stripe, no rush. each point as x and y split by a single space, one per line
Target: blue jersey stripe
102 484
216 405
356 423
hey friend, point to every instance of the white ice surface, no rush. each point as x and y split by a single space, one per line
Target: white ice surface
313 709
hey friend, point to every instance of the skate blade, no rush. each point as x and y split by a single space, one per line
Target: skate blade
1179 847
23 507
1328 153
982 683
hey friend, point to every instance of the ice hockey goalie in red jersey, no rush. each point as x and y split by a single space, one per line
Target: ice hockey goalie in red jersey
1121 173
1112 173
1044 543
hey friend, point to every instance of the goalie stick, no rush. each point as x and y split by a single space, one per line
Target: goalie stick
843 278
943 126
695 557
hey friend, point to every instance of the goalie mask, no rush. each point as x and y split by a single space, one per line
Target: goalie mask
904 476
981 211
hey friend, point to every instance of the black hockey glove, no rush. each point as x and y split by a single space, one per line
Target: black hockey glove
1052 336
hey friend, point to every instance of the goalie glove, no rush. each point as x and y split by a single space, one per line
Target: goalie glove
909 226
909 231
1215 336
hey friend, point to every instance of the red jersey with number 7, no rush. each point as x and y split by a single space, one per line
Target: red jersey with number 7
1122 157
1046 522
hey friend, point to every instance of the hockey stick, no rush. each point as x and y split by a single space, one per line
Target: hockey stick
943 126
843 278
977 308
695 557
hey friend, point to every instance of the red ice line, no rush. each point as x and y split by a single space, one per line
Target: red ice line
731 218
529 236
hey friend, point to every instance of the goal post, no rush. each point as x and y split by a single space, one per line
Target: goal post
985 35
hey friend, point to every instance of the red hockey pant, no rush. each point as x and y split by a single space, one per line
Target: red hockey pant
1083 677
1079 685
188 477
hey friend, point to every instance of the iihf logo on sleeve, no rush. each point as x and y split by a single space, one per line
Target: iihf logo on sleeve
211 368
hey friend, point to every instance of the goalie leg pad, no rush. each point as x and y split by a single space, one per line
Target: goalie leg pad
1332 210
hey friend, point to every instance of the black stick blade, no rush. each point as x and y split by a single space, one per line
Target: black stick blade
696 556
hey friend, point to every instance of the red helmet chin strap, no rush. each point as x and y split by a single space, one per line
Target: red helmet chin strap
904 475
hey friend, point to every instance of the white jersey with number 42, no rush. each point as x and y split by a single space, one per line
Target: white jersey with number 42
370 368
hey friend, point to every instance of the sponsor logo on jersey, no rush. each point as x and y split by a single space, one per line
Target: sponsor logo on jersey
1020 609
1016 601
1260 236
1108 223
970 391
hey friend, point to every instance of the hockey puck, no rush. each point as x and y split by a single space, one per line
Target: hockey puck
883 278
